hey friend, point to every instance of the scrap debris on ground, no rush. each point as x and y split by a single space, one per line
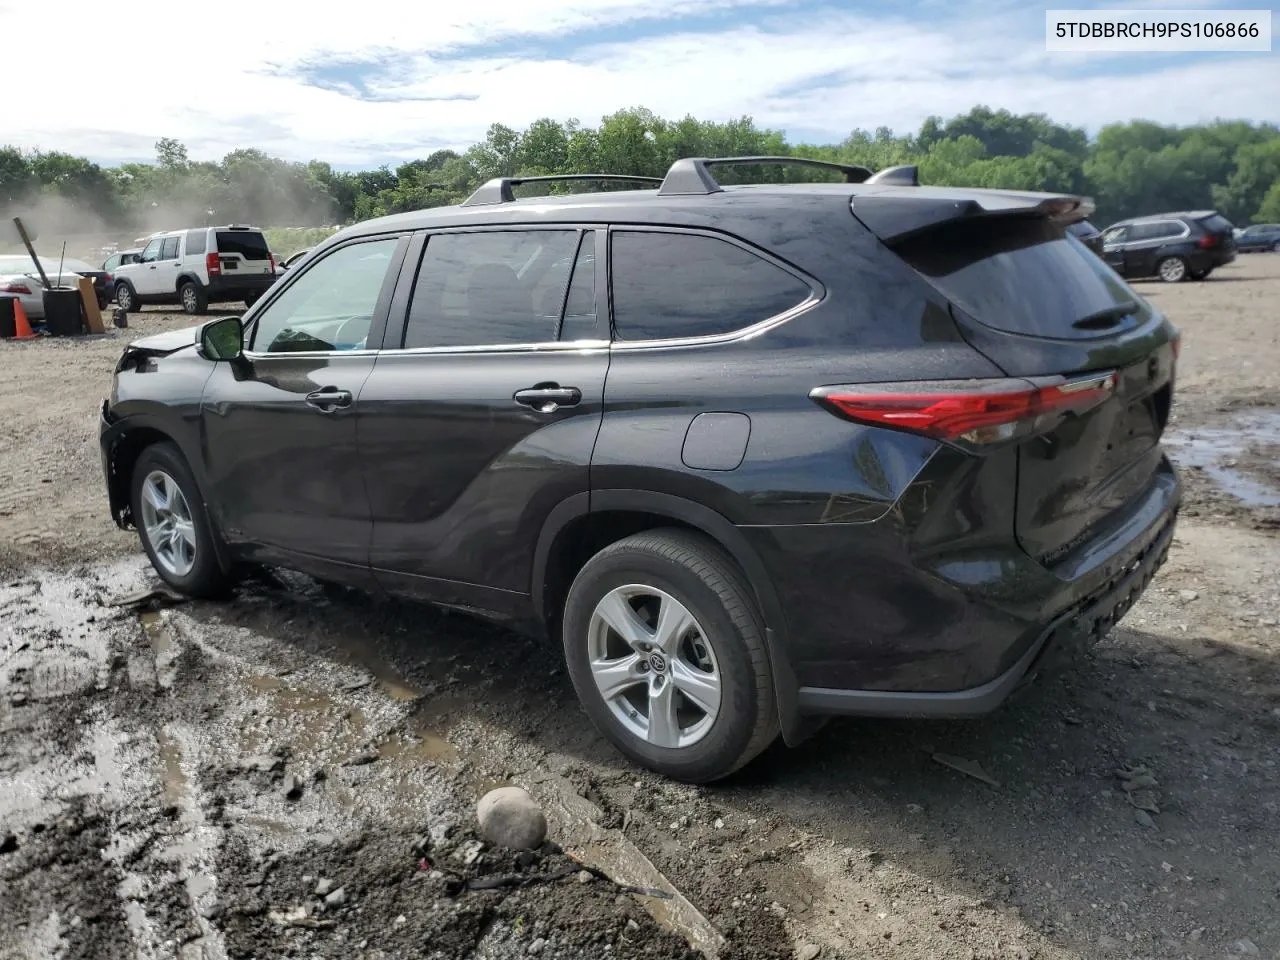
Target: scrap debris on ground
296 771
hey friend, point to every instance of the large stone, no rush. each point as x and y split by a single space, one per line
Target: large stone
510 818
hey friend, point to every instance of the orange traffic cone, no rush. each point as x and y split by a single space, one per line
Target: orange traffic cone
21 328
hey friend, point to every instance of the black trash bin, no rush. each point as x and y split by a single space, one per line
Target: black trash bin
63 312
8 324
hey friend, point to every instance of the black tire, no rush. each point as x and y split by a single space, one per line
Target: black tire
193 298
1202 274
206 577
697 573
126 298
1172 269
251 299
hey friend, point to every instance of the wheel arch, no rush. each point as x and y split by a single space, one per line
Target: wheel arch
585 523
187 277
122 445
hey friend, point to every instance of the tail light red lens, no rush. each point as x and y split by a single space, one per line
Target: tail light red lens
271 258
971 413
1208 241
213 265
19 288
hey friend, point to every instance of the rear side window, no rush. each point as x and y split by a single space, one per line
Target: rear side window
671 285
196 242
1216 224
483 289
250 244
1025 276
580 306
169 250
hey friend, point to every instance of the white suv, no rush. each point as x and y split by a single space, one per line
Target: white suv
197 267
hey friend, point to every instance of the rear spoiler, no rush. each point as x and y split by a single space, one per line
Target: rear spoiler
894 213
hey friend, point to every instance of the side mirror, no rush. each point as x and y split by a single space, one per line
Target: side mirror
222 339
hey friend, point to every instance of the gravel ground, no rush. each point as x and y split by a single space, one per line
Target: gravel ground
177 783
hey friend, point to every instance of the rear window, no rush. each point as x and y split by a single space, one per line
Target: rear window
248 243
1025 276
1217 224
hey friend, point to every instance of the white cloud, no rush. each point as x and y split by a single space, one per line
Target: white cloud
829 73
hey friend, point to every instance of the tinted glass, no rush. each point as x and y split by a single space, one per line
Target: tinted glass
1216 224
477 289
580 308
248 243
683 285
330 304
1023 276
1167 229
197 240
1143 231
169 249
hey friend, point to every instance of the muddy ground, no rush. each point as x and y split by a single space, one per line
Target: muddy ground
181 782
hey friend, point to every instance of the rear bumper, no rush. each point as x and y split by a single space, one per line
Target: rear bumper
878 627
1077 629
238 287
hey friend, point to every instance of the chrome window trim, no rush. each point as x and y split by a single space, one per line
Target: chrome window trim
742 333
550 346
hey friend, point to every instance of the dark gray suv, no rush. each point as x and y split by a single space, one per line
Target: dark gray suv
752 455
1171 246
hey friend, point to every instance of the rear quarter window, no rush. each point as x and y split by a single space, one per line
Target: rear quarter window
1217 224
1025 276
673 285
197 242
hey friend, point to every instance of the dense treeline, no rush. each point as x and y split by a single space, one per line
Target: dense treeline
1129 168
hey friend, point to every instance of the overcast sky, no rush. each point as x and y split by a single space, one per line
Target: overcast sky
360 84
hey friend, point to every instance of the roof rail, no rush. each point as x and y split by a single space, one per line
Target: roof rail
691 176
904 175
498 190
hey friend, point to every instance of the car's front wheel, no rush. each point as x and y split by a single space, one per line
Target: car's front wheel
666 652
172 523
1172 269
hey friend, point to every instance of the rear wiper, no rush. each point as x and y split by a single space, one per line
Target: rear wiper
1108 317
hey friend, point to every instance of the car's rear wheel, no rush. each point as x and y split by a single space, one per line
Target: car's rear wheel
1172 269
1275 247
666 652
193 298
126 299
172 523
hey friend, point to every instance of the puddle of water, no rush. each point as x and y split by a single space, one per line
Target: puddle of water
1218 451
428 746
173 780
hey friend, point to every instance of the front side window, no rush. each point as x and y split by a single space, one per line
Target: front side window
673 285
330 304
492 288
151 253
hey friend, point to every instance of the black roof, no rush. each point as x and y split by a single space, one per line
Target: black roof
890 202
1175 215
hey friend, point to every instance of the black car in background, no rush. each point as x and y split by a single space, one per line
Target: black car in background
1171 246
753 455
1088 234
1259 237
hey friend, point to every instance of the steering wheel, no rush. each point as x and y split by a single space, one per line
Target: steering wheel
352 326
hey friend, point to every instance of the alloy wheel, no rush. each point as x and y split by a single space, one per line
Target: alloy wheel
167 523
1172 270
654 666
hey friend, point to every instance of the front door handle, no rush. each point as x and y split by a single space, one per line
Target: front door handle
549 397
328 399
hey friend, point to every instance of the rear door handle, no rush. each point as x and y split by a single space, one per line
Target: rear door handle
549 397
328 399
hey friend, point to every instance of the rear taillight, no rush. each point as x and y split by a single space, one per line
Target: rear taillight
1208 241
20 288
212 265
107 280
271 257
973 413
